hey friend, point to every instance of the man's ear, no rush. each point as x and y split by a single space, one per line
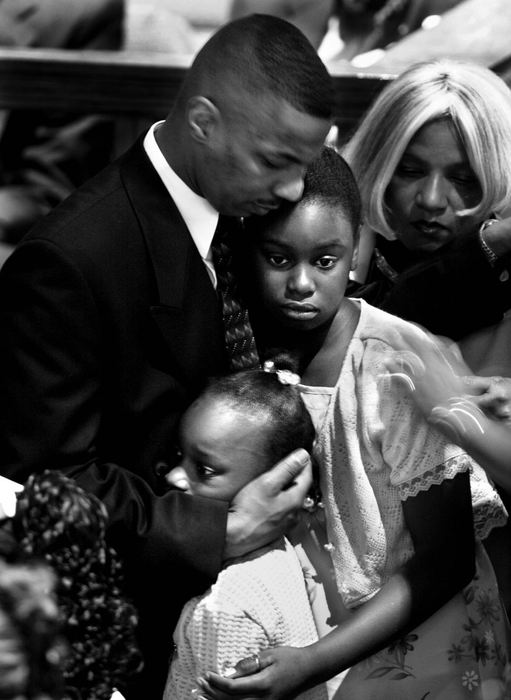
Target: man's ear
203 117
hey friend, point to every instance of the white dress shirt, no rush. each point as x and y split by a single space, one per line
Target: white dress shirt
198 214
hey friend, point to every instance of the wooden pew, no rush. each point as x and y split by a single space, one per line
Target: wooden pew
131 84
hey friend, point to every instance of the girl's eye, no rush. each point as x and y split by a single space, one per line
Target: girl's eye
326 262
277 260
204 471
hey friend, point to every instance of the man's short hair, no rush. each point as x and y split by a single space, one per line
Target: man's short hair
264 54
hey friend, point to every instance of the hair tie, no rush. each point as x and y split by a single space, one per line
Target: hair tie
285 376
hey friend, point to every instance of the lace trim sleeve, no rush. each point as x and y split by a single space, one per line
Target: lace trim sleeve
488 509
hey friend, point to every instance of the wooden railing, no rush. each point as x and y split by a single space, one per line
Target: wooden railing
139 85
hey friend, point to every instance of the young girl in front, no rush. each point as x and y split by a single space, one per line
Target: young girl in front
236 430
423 617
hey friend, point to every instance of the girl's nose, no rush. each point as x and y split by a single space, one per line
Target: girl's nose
300 283
178 479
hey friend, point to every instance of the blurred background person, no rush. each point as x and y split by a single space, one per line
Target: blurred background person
347 29
30 644
60 525
45 154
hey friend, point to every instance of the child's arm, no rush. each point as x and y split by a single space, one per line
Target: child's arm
210 635
218 635
440 522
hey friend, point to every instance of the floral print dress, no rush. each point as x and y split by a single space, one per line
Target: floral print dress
375 450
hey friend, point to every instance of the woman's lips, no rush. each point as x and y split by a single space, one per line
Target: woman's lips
429 228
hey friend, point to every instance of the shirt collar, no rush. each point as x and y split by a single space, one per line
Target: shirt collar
198 214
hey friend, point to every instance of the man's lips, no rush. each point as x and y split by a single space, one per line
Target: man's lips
267 206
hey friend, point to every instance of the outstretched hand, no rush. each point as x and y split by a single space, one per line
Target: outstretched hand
282 676
434 374
268 506
430 370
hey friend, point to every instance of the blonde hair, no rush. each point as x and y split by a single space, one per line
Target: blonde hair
476 100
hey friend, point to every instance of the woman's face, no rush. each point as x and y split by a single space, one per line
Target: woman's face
432 182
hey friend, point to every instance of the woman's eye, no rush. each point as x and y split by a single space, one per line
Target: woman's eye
326 262
408 171
466 180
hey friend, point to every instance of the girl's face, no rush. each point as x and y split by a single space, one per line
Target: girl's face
222 449
302 265
432 182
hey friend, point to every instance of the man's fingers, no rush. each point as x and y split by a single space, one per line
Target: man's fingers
293 471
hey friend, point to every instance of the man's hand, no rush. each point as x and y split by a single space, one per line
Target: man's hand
268 506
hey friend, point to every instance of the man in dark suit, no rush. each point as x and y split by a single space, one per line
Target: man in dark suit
110 324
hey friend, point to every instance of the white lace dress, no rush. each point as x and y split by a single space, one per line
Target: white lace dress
375 450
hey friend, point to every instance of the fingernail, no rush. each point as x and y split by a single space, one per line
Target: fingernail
229 672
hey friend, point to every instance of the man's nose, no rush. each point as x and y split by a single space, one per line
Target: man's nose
290 190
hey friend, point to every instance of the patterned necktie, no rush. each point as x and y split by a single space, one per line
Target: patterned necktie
239 337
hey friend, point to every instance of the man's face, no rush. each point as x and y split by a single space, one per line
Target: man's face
257 155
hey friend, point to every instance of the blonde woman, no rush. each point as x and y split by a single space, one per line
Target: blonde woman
433 161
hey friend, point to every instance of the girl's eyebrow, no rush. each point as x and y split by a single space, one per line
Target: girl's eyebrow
334 243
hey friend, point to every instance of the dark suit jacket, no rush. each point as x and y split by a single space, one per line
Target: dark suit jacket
109 327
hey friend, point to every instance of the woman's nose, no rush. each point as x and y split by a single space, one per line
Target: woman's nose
432 194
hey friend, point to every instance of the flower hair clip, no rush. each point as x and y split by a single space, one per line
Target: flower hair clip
285 376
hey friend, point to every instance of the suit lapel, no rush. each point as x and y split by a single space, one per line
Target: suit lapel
187 310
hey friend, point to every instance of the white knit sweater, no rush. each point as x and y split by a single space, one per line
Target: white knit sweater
258 601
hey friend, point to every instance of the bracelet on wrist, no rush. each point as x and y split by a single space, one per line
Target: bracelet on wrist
490 255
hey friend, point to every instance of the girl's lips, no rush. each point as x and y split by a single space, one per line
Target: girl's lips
298 310
299 306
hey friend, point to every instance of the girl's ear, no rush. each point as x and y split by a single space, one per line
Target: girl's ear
203 116
354 257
